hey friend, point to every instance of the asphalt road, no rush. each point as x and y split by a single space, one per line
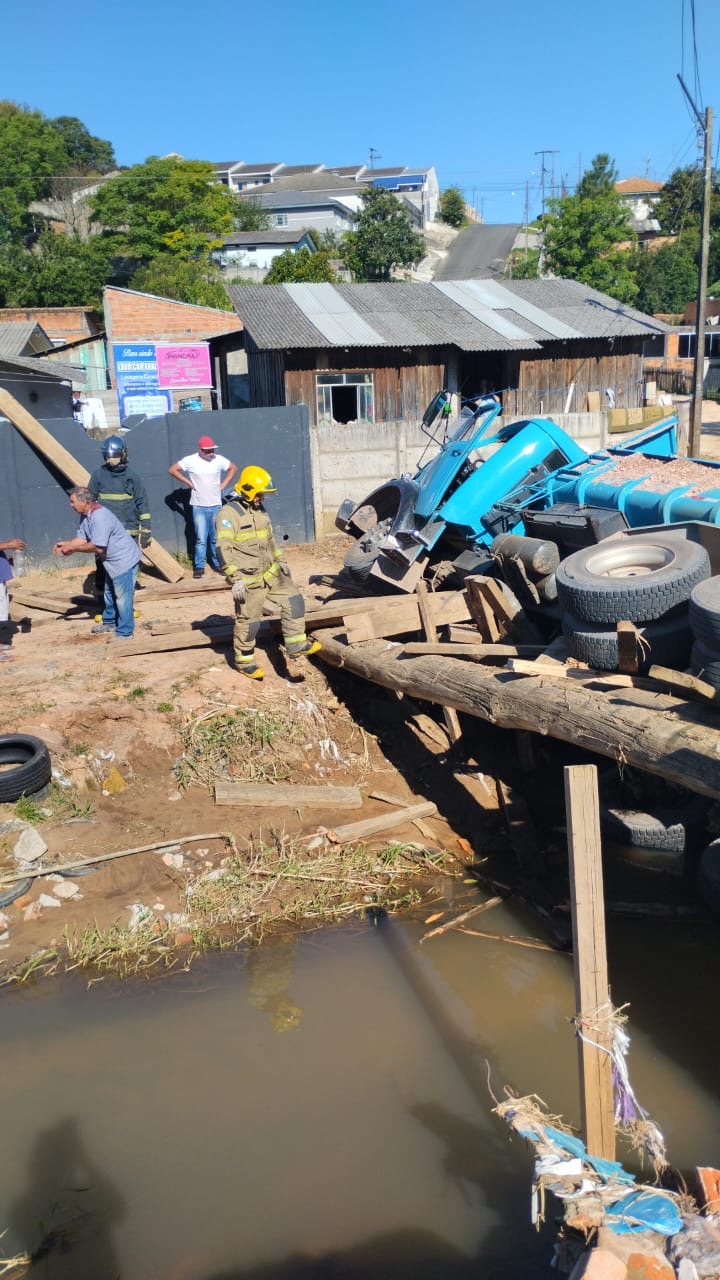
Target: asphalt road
478 251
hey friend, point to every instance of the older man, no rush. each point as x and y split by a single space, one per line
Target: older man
101 534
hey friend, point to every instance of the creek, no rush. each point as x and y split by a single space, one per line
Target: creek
318 1106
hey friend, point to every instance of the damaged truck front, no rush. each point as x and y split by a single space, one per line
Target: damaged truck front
479 484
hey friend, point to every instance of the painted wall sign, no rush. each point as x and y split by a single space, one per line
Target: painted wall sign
148 400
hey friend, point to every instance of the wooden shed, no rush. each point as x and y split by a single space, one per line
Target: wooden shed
378 352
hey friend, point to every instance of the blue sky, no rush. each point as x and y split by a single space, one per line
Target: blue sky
473 87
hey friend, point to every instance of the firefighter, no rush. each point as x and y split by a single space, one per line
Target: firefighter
119 488
257 572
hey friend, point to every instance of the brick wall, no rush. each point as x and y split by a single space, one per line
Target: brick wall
138 317
66 323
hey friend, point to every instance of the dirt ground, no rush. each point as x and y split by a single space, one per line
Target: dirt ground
99 711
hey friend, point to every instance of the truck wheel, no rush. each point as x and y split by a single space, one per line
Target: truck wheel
637 579
361 556
33 769
705 612
670 831
666 642
705 663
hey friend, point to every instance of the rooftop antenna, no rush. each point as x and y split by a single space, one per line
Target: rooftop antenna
543 171
373 155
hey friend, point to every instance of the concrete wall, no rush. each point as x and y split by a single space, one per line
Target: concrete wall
349 462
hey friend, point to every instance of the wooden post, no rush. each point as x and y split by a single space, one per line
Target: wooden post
590 958
450 715
48 447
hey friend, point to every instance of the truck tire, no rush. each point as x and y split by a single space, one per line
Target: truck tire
672 831
666 641
638 579
705 612
705 663
33 771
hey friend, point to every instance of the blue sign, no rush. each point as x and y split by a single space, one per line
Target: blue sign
135 365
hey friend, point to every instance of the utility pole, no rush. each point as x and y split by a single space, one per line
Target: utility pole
543 171
527 215
705 126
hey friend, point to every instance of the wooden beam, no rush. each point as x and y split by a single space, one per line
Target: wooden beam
396 617
385 822
282 795
479 652
450 715
647 728
628 645
684 684
48 447
592 995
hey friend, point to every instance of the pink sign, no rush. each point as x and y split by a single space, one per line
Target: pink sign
183 365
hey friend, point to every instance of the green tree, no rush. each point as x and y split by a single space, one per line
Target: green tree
61 271
452 208
31 153
301 266
185 279
582 233
249 214
522 268
384 238
166 205
599 179
680 203
85 153
667 277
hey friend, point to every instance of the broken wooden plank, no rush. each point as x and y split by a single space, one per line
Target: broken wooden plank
683 683
385 822
398 617
431 729
387 798
533 943
450 716
284 795
50 868
64 462
488 594
650 729
46 604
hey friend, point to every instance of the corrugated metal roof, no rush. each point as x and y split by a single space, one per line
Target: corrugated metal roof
16 334
524 314
44 368
332 314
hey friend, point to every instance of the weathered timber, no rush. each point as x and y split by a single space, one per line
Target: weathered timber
47 869
486 593
279 795
480 652
458 920
396 617
533 943
656 731
427 618
64 462
388 798
683 683
374 826
628 645
47 604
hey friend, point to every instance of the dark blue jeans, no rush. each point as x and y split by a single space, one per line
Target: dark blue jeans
205 545
118 601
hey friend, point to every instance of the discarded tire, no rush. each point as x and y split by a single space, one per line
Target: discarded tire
705 612
636 579
33 769
705 663
666 641
670 830
15 891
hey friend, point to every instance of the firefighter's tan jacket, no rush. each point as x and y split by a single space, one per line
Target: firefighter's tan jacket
246 545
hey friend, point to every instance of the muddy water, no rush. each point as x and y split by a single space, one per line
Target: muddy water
319 1108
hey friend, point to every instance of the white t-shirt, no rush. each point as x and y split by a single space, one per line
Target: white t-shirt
206 474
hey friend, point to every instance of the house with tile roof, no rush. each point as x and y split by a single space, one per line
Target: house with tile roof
362 353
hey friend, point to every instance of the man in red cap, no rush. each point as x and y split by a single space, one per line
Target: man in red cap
206 473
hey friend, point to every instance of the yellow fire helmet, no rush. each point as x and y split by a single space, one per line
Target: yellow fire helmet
253 482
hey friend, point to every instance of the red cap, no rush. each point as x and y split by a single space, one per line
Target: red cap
205 442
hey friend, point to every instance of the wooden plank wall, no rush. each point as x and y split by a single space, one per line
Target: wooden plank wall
266 378
402 386
546 381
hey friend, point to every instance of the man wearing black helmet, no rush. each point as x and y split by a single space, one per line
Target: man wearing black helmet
119 488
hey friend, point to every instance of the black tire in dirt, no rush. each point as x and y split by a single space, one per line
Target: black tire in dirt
705 612
359 560
673 831
14 891
705 663
666 642
33 771
636 579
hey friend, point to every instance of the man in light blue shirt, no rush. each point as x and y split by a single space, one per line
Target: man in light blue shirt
101 534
